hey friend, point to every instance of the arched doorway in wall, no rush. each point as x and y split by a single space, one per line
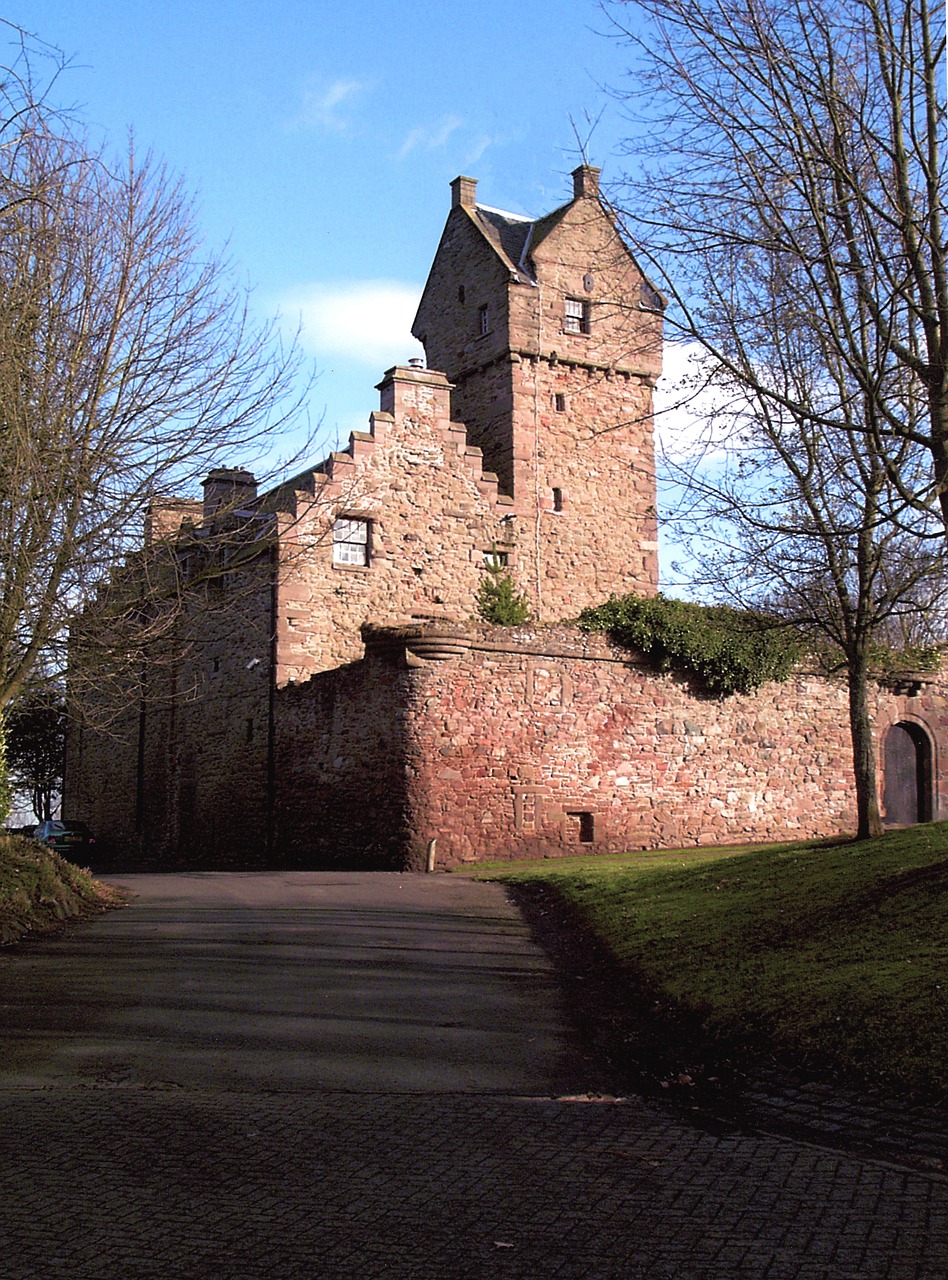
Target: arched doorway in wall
908 775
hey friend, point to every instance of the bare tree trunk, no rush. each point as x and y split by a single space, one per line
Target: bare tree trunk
869 818
938 409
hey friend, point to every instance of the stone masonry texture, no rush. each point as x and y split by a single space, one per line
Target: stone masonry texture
507 743
315 709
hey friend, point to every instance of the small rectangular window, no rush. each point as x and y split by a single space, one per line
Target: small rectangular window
557 499
581 825
350 541
559 402
576 317
497 559
483 320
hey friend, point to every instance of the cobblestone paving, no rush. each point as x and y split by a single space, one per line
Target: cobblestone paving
134 1174
908 1133
146 1183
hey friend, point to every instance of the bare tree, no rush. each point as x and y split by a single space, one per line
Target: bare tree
789 203
803 137
130 365
800 522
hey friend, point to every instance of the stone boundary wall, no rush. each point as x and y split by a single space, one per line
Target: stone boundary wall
546 740
339 772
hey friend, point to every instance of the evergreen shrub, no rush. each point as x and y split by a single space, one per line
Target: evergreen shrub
498 601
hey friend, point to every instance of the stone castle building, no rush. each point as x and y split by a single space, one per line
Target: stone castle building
323 697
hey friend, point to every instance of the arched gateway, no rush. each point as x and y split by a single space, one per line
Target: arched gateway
908 775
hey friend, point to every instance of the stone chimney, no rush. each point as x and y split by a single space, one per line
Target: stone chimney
407 390
586 182
464 193
228 488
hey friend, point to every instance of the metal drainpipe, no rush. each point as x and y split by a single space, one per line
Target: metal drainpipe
536 448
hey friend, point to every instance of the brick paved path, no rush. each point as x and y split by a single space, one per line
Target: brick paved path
112 1167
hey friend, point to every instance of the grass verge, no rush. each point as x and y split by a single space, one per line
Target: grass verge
830 957
39 890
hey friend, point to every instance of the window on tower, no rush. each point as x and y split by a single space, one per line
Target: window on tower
576 317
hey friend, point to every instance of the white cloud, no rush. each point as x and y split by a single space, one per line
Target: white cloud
320 107
688 417
477 148
365 320
429 137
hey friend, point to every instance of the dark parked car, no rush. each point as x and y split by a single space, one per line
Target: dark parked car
63 836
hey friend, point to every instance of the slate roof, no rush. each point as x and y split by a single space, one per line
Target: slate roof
512 235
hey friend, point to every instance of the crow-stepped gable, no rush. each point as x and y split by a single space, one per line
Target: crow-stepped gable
316 690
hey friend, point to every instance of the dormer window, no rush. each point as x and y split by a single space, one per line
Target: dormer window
576 317
483 320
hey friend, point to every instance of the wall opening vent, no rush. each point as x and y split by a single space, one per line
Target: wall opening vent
581 827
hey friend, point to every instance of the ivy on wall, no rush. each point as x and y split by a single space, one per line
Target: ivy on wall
724 650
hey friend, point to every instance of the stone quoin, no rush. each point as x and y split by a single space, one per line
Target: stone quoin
326 697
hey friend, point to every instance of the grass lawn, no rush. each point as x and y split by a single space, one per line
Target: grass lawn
833 956
39 889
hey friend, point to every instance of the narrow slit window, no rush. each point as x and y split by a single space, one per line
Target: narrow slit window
350 541
483 320
557 499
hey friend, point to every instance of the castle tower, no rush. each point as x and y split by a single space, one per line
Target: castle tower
552 338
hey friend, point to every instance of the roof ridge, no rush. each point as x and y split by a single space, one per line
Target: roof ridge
505 213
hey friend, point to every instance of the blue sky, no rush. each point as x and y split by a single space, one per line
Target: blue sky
321 137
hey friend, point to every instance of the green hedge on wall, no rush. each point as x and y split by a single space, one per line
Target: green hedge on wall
724 650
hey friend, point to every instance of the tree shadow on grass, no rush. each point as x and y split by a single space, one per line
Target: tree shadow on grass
641 1042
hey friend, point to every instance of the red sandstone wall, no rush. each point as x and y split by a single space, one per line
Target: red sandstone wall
496 743
564 418
340 797
175 773
507 744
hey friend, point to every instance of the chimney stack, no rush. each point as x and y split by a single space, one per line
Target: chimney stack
228 488
463 193
586 181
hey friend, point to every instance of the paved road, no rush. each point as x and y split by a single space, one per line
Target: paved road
372 1076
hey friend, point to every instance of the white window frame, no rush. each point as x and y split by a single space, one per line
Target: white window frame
351 541
576 316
